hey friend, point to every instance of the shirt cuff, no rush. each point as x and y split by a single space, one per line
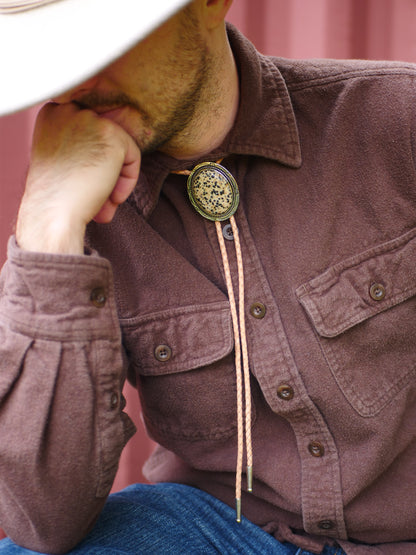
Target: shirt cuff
58 297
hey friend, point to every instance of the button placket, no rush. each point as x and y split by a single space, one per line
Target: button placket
267 335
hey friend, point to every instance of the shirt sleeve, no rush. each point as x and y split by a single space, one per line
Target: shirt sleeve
62 425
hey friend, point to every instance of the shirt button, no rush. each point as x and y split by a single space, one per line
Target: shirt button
98 297
163 353
316 449
227 231
285 392
377 292
326 524
113 401
258 310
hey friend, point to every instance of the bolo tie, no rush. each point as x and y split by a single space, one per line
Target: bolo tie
214 194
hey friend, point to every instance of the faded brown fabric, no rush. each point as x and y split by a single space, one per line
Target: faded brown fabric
323 152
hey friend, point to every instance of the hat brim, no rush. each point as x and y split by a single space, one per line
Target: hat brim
50 49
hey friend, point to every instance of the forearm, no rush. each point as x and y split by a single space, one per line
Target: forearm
61 423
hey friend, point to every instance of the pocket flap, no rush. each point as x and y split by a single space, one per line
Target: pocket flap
189 337
343 295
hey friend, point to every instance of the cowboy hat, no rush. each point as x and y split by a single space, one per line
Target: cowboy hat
49 46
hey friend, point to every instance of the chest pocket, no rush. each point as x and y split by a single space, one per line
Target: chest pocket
364 313
183 362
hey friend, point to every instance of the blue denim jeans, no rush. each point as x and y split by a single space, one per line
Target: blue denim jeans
172 519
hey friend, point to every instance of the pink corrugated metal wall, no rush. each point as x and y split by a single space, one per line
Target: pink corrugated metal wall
378 29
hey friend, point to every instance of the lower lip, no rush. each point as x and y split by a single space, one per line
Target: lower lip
111 114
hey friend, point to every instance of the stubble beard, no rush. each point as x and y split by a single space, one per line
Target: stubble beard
183 118
168 133
179 113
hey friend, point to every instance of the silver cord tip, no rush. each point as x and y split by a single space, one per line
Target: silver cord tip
250 478
238 510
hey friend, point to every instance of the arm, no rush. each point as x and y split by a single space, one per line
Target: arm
82 167
62 428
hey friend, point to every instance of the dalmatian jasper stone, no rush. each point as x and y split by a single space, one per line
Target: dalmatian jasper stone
213 191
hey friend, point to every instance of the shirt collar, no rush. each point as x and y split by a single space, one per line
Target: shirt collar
265 125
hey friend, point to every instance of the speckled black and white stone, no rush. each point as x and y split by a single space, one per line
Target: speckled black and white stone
212 192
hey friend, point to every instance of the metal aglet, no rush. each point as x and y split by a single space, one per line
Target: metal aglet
238 510
250 478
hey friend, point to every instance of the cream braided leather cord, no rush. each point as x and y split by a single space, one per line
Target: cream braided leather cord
214 194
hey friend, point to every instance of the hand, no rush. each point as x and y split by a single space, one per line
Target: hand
82 167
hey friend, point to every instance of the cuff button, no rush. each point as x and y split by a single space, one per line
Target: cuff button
113 401
98 297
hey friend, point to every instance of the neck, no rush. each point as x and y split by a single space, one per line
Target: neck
215 111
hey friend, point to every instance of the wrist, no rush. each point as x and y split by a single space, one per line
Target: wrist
56 236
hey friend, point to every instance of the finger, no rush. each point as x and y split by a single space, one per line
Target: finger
122 189
106 212
129 172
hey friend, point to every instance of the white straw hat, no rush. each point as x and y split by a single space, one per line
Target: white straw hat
49 46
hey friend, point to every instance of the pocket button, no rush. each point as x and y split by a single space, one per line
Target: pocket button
377 292
163 353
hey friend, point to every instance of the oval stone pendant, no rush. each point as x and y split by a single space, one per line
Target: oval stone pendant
213 191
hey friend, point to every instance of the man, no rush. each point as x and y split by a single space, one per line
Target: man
323 156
